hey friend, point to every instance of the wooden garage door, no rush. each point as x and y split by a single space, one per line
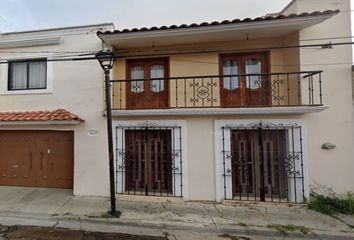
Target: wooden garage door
37 158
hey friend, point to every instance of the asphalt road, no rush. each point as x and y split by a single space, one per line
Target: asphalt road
40 233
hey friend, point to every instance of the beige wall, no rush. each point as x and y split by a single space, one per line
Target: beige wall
77 87
204 64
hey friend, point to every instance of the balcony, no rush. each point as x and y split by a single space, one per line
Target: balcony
265 93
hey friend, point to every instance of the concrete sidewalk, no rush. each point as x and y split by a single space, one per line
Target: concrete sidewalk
172 219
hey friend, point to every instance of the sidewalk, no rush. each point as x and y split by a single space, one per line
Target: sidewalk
174 220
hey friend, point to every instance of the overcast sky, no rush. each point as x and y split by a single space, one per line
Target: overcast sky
18 15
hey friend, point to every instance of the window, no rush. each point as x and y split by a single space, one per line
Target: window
157 71
253 66
137 72
27 75
231 68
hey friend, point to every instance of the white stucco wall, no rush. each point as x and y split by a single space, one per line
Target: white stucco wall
331 168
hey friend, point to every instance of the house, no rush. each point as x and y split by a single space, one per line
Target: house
254 109
51 110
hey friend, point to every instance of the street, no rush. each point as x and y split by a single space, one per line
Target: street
46 233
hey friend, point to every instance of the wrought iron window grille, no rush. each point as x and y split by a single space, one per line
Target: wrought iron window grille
166 165
263 161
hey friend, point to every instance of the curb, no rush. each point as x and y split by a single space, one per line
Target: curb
157 228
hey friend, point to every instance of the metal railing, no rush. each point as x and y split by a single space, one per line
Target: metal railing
219 91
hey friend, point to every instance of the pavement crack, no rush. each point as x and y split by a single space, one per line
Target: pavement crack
167 234
211 217
56 223
61 206
219 212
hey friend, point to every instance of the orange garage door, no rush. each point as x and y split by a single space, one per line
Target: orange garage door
37 158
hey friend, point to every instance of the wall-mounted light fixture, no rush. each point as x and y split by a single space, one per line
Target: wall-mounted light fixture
328 146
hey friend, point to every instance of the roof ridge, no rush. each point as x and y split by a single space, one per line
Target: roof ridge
223 22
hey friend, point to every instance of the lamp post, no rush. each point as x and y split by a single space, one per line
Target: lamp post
106 59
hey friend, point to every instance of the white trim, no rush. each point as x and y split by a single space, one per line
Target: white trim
220 111
299 21
57 122
4 68
167 124
218 124
79 28
19 43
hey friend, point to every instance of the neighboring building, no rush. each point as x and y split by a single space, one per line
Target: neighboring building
43 146
234 109
213 111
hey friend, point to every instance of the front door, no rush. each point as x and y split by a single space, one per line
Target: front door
148 85
249 88
258 163
148 162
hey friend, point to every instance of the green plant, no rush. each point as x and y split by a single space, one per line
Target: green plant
242 224
332 203
284 229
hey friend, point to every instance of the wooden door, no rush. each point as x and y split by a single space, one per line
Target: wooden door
148 161
248 89
37 159
147 87
17 159
56 156
246 163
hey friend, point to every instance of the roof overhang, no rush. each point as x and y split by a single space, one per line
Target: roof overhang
220 111
212 33
16 123
33 42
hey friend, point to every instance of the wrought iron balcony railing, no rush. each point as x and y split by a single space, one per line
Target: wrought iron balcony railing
228 91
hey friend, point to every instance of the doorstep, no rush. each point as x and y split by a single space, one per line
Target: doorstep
263 204
154 199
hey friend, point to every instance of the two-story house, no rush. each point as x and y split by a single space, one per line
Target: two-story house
254 109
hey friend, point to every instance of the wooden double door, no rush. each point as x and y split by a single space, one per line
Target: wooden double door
37 158
147 85
148 162
251 87
250 150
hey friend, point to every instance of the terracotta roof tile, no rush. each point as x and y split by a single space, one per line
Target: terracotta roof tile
56 115
225 22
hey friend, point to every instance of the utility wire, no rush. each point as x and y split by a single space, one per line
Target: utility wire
95 32
90 52
274 65
85 57
200 51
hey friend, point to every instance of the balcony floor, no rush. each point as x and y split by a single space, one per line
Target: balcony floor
221 111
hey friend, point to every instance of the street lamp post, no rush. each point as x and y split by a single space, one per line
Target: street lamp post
106 59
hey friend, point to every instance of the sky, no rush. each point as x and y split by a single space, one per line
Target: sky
20 15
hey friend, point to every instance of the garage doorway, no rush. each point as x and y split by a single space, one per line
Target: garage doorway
37 159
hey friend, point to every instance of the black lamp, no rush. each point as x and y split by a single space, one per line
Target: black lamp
106 59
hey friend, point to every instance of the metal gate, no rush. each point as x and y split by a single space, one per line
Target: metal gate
263 162
149 160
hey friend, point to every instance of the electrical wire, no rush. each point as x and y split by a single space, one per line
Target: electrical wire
89 54
86 57
74 33
274 65
201 51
